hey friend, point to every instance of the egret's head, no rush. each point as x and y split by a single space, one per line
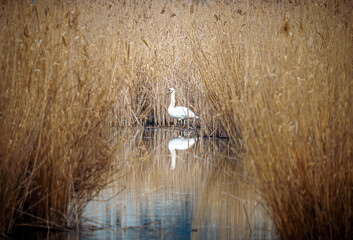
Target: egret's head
171 90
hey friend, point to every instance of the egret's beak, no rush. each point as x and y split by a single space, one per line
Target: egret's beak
169 91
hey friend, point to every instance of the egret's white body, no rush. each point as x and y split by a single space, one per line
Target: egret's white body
179 113
179 143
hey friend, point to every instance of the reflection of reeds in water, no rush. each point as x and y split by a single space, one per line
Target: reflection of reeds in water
205 187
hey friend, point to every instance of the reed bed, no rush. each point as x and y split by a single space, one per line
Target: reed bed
276 78
56 93
155 44
282 83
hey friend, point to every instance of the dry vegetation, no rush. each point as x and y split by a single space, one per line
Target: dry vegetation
283 83
55 97
275 77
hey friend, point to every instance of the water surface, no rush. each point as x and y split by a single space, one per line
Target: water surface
176 186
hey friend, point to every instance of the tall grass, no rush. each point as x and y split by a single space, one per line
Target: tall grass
56 93
156 54
283 85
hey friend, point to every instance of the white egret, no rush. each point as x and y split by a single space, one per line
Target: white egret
179 112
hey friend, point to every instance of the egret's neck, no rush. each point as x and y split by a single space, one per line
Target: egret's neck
172 100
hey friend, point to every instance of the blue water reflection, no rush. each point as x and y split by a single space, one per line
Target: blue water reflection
179 186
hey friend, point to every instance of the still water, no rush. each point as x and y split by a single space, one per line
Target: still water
177 186
174 185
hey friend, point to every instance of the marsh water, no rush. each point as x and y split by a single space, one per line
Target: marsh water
173 184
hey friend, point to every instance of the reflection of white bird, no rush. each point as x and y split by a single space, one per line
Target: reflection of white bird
179 143
179 113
